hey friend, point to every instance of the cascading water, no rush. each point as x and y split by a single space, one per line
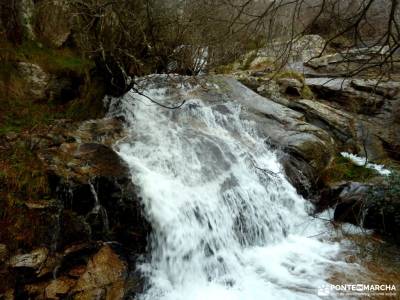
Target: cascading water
226 222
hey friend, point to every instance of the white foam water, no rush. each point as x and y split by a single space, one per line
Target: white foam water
226 222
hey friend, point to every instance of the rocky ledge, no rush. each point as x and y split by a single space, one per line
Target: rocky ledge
87 235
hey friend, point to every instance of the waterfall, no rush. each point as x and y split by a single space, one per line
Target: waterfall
226 222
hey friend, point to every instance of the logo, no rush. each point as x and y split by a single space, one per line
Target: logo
358 289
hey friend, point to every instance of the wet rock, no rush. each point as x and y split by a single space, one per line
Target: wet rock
299 173
44 216
348 199
371 206
32 291
77 271
58 288
287 128
105 277
80 162
92 182
105 131
75 229
51 265
102 131
33 260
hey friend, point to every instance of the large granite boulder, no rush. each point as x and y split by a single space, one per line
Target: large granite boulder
350 132
373 206
340 91
352 61
301 49
286 128
367 109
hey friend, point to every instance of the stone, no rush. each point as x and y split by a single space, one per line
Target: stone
308 46
79 162
349 199
104 131
33 260
36 80
370 205
290 86
285 127
3 253
41 85
347 61
95 186
261 65
59 288
35 290
45 215
339 123
53 28
324 61
388 89
104 278
302 49
8 295
340 91
77 271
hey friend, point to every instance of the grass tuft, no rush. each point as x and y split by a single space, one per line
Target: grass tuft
343 169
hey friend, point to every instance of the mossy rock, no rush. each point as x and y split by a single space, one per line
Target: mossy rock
343 169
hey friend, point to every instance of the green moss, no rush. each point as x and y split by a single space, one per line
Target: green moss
343 169
52 60
289 74
306 92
